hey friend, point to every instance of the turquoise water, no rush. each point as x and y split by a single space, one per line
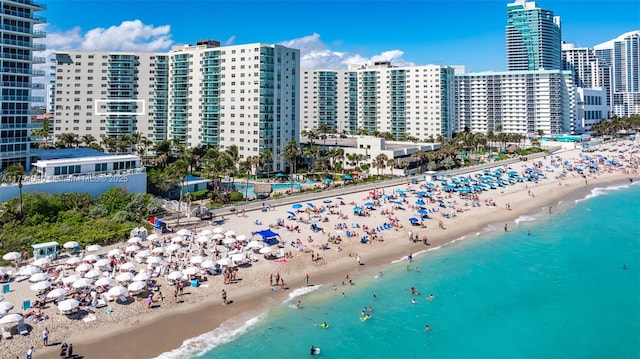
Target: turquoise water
248 189
286 186
560 292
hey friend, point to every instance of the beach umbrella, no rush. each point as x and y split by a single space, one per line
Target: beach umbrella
368 204
218 230
177 239
291 214
117 252
423 211
327 201
104 282
68 305
28 270
5 307
90 258
229 240
196 260
206 232
184 232
1 297
218 236
224 262
153 237
154 260
208 264
82 283
117 291
71 245
203 240
92 274
297 206
127 267
158 250
12 256
240 257
136 287
266 250
310 204
40 286
134 240
175 275
70 279
173 247
11 318
38 277
102 262
73 261
41 262
191 271
255 245
142 276
144 253
131 248
124 277
230 233
241 238
57 293
94 248
84 267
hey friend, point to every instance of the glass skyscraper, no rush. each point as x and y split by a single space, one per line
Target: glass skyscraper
533 38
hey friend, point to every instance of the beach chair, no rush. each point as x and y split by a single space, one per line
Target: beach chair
6 333
22 328
122 299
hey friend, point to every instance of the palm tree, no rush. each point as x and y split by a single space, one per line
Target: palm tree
266 157
178 172
290 154
88 140
245 167
15 173
67 140
232 151
404 164
380 162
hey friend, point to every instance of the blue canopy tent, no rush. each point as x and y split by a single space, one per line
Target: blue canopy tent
268 236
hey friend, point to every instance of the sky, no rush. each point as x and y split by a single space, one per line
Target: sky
329 33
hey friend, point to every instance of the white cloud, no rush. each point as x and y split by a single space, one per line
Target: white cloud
315 54
230 41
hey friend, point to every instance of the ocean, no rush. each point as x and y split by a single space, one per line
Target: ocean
565 285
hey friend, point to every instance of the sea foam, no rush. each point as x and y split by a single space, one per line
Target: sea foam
226 332
522 219
600 191
302 291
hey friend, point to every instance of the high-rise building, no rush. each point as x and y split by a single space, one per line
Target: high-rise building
242 95
533 38
18 56
110 94
414 101
523 102
622 54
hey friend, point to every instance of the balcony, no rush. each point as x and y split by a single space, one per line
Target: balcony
22 98
22 15
23 30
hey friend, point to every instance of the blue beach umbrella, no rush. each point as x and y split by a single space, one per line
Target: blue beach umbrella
398 202
357 209
420 203
310 204
423 211
413 220
296 206
292 214
327 201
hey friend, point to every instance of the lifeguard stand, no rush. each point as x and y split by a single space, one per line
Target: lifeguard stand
49 249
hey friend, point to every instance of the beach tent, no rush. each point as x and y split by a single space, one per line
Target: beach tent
268 236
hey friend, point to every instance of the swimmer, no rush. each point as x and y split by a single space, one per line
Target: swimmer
370 309
412 290
413 300
417 269
528 232
324 325
624 266
298 304
374 297
427 328
431 296
334 287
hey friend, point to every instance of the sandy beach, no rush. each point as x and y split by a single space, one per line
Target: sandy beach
134 331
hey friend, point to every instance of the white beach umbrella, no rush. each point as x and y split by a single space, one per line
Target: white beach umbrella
196 260
92 274
40 286
266 250
153 237
117 291
102 262
158 250
177 239
144 253
84 267
134 240
28 270
127 267
229 240
173 247
104 282
12 256
68 305
124 277
70 279
208 264
11 318
175 275
218 236
1 297
191 271
136 287
73 261
242 237
230 233
224 262
57 293
5 306
184 232
38 277
255 245
71 245
90 258
218 230
82 283
131 248
142 276
41 262
154 260
116 252
94 248
237 258
205 232
203 239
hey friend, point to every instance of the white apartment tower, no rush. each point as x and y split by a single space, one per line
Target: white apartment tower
110 94
416 101
17 56
243 95
523 102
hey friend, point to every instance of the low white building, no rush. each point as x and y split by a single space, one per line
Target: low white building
93 175
591 108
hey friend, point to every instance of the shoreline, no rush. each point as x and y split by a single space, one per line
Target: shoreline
196 320
144 333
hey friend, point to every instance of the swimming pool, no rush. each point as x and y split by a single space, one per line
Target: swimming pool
285 186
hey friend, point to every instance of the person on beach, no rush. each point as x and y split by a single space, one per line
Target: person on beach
505 227
149 301
70 351
30 353
306 280
45 337
63 350
224 297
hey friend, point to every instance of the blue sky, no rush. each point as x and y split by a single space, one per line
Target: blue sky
329 33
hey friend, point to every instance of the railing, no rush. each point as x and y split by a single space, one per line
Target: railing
30 2
13 70
23 15
22 98
21 125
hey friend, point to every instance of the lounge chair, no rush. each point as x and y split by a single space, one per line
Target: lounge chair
6 333
122 299
22 328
